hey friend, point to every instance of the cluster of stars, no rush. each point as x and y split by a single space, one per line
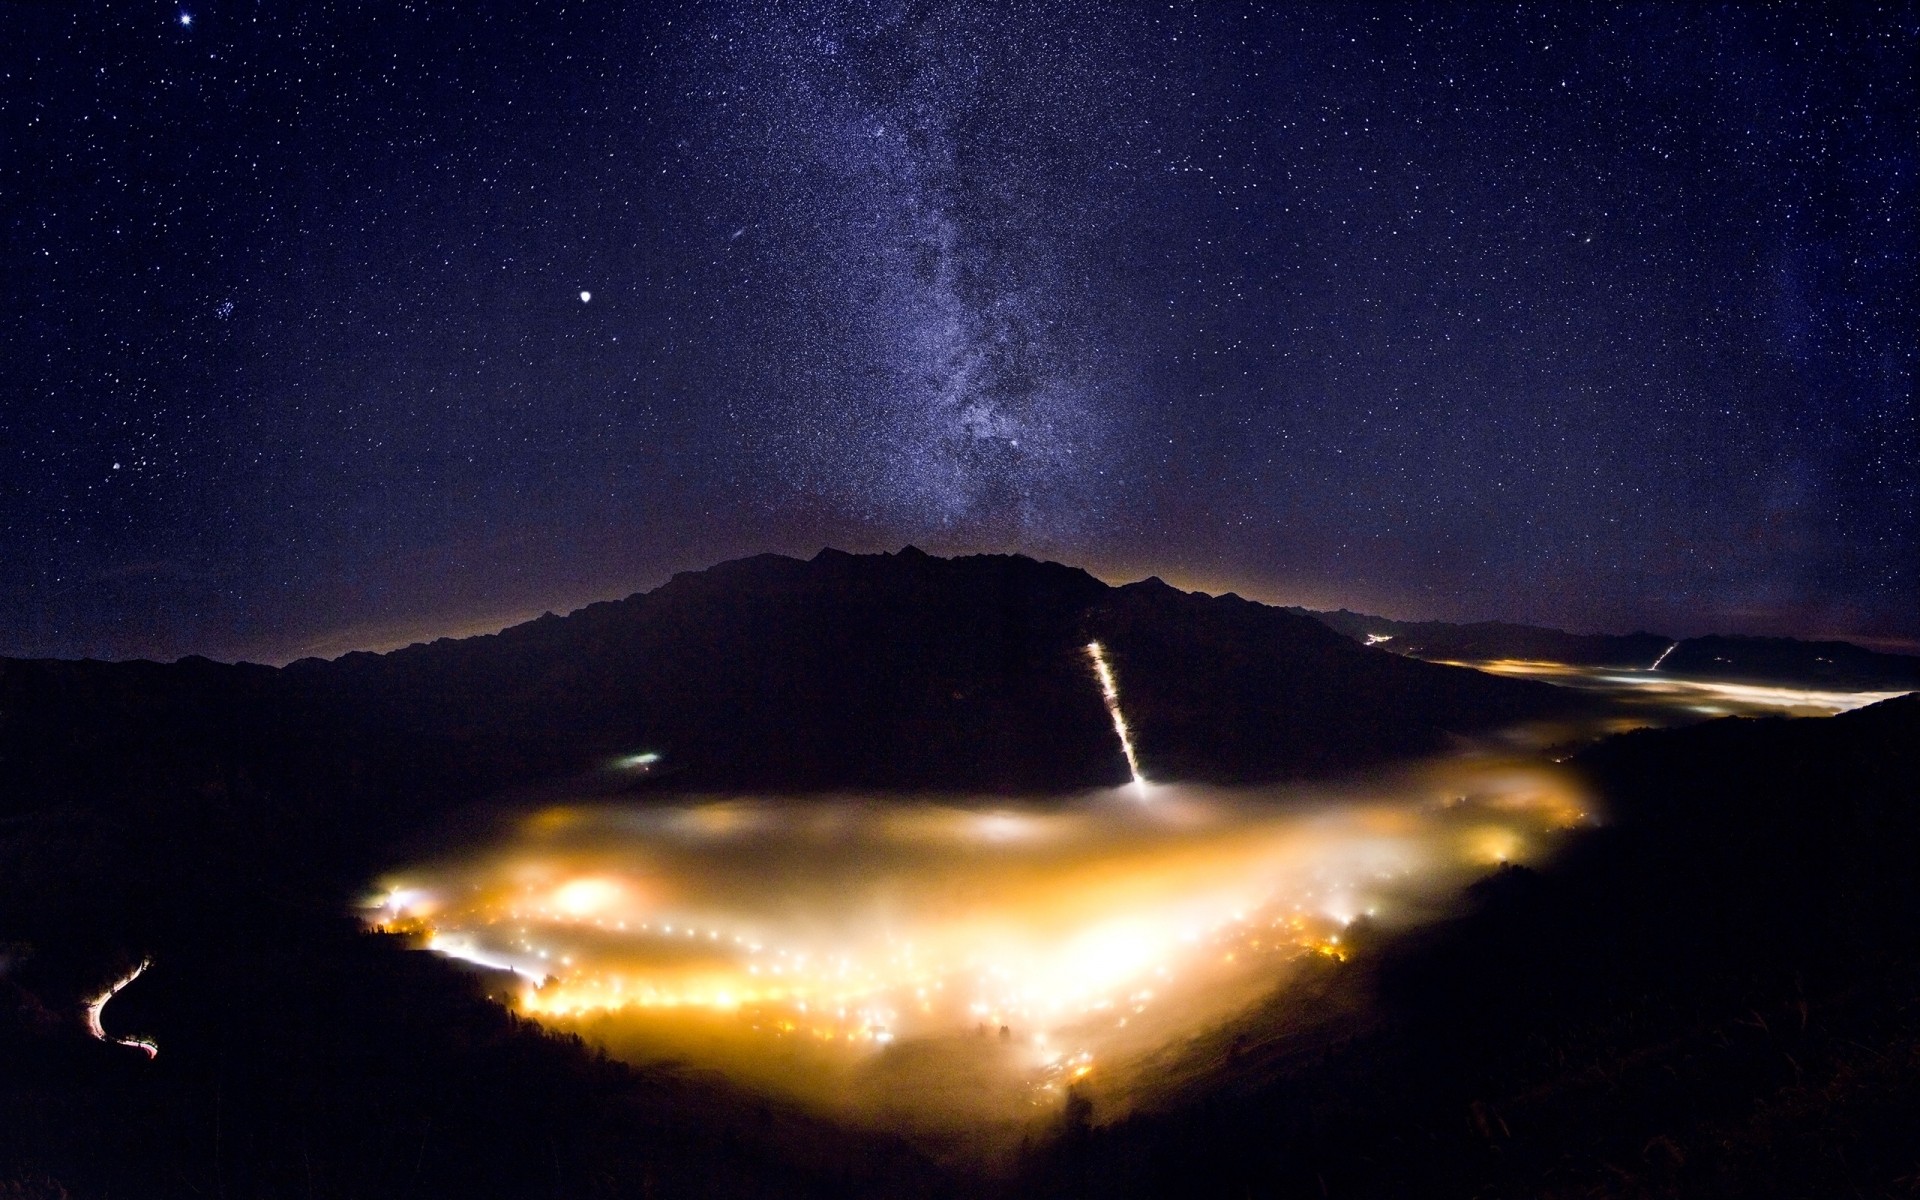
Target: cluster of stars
414 316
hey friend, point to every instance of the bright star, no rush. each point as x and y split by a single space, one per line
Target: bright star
585 296
186 18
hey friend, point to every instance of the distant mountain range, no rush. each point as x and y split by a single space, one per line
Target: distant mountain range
1758 659
887 671
910 671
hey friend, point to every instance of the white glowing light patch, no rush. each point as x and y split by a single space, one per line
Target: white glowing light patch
1663 656
98 1003
585 897
1110 692
468 949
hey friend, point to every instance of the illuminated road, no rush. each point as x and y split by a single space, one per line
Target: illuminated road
96 1005
1110 693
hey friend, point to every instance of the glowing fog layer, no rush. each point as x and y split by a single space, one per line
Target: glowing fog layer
1062 937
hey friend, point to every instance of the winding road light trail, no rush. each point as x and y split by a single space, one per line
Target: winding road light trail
1111 692
99 1002
1663 656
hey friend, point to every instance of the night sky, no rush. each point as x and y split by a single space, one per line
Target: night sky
342 325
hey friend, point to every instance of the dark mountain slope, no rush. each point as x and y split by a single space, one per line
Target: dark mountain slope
771 672
908 671
885 671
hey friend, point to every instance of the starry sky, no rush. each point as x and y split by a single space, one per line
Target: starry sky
341 325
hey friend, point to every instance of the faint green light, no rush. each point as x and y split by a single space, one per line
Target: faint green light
634 761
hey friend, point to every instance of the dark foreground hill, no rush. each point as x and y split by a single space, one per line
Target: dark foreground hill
1713 995
1775 660
219 820
1718 994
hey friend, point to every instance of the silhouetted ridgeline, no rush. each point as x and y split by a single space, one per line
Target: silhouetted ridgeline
909 671
1714 995
887 671
1840 665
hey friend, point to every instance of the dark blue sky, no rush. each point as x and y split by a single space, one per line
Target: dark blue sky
1594 316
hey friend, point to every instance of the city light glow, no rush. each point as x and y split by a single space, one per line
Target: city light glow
1060 941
